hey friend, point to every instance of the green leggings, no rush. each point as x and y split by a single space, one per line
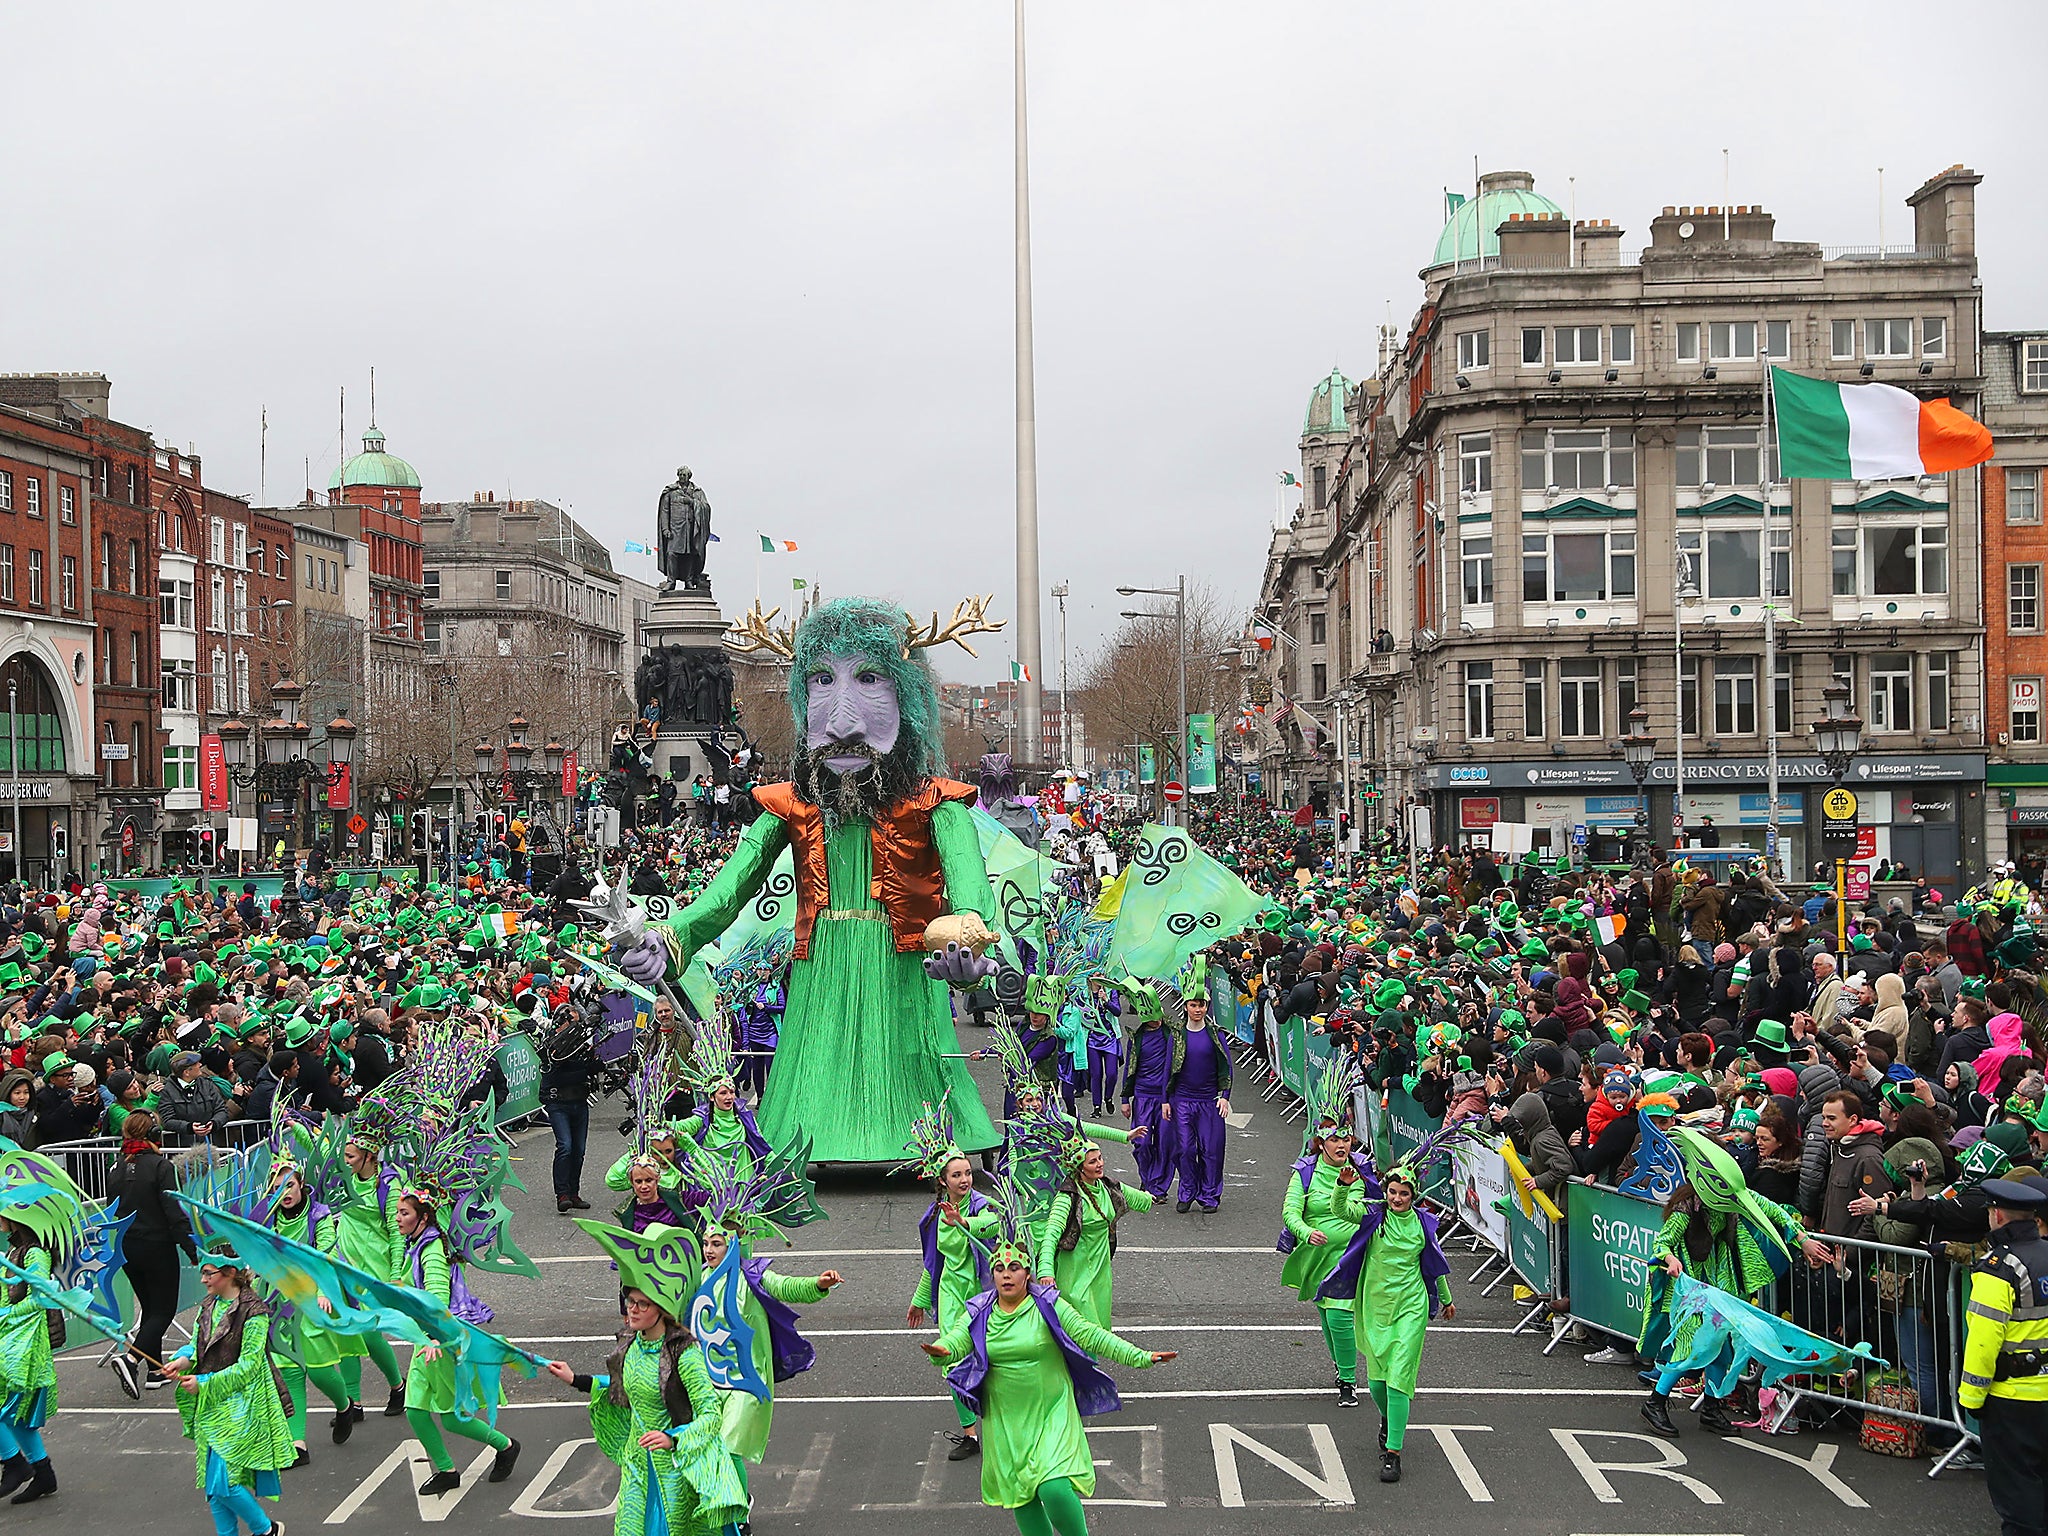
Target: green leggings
387 1362
962 1412
325 1377
1393 1405
1055 1509
1340 1339
429 1436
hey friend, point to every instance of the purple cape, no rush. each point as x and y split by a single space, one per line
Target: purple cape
1343 1281
1094 1392
792 1351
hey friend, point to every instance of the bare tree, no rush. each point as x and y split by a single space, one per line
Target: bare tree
1130 687
761 696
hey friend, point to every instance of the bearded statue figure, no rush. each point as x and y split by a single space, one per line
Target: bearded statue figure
893 900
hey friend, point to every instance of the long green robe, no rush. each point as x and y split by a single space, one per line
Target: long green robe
1308 1266
366 1236
430 1384
1735 1263
299 1339
958 1280
28 1376
235 1414
1391 1310
1081 1274
747 1418
696 1482
865 1037
1030 1427
1038 1179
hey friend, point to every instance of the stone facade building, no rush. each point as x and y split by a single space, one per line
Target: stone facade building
1548 508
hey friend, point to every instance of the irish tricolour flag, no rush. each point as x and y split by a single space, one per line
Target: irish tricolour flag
1830 431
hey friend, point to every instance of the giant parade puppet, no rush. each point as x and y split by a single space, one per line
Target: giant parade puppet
893 900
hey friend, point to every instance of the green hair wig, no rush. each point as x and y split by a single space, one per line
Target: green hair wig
867 626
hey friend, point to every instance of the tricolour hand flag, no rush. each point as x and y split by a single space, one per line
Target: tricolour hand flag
1609 928
503 924
1831 431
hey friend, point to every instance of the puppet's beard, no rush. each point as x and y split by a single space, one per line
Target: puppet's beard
864 793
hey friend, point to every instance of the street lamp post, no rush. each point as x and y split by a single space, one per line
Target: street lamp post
1838 736
1639 751
271 758
1061 592
1179 593
1684 589
14 759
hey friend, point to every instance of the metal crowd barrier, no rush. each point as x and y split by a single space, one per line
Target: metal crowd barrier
1908 1304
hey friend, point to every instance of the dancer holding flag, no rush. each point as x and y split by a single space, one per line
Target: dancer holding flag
653 1409
231 1401
43 1214
951 1235
367 1236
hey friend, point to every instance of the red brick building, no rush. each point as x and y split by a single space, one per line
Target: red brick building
2016 596
47 754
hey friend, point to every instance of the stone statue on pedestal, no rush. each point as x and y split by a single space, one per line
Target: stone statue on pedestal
683 534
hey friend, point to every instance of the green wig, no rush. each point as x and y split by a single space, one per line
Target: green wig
867 626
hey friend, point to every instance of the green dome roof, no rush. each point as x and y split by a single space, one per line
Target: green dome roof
1326 406
1471 231
373 466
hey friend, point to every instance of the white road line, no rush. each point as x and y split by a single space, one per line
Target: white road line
904 1253
1203 1393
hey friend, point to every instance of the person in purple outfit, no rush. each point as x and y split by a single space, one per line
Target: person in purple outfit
1197 1099
1105 1044
1148 1063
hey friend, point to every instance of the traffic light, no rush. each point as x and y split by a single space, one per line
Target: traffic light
206 854
419 831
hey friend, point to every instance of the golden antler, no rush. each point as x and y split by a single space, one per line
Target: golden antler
970 617
755 632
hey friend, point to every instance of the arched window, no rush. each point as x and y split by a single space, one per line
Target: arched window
38 725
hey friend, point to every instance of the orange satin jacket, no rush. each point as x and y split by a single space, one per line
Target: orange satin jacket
907 878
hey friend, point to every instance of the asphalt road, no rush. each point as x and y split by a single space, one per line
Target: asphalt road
1242 1432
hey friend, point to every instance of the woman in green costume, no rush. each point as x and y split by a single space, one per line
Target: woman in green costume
231 1402
654 1411
1396 1278
1033 1136
367 1236
305 1351
950 1238
1317 1231
779 1351
430 1377
43 1213
28 1374
1079 1236
1717 1231
887 865
1024 1359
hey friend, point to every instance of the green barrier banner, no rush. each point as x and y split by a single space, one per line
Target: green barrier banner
520 1059
268 884
1294 1056
1405 1124
1607 1250
1529 1248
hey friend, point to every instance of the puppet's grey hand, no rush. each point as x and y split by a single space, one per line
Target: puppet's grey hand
646 962
958 966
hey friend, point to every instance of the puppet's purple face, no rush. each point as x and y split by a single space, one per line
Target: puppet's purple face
852 703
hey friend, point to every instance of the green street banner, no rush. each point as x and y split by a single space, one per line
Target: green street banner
1201 754
1608 1241
1148 766
520 1059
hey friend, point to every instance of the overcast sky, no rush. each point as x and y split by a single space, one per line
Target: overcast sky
582 244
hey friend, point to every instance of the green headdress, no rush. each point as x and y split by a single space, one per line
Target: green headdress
1329 1098
931 1145
1146 1005
1045 993
37 1194
664 1263
1717 1179
712 1062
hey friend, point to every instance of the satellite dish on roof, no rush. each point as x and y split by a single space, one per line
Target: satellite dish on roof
1685 230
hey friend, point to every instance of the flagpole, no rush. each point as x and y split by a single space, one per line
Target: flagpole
1772 845
1028 597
